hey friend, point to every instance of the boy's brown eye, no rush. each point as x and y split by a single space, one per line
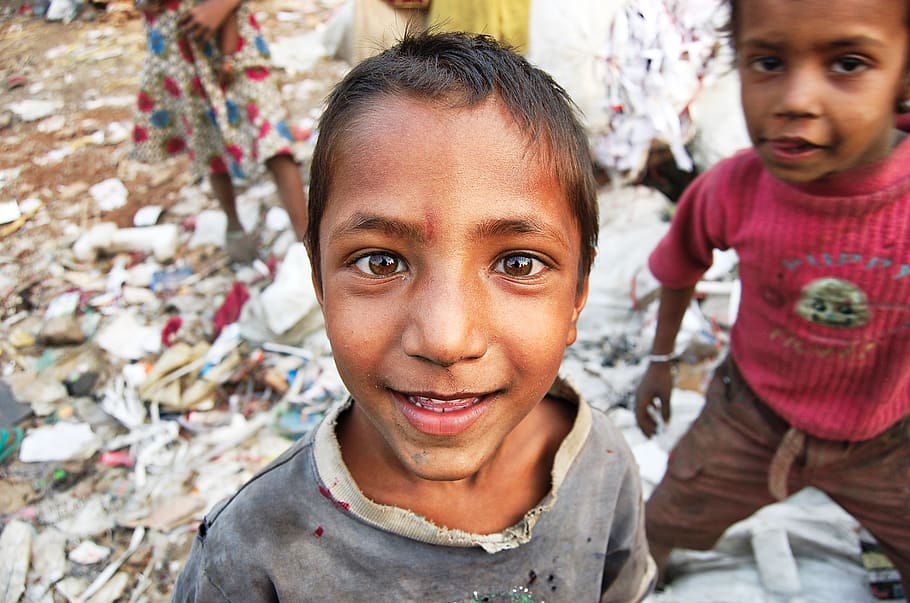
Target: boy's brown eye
380 264
518 265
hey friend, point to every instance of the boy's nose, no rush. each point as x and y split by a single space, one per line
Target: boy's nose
801 95
444 322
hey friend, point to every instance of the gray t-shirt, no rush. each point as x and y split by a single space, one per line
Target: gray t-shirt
301 530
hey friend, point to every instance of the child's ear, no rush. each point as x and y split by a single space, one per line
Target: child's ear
903 101
581 297
317 286
315 278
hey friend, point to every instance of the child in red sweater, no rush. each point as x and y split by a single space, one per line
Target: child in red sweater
816 389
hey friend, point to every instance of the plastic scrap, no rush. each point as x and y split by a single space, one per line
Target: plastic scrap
109 194
59 442
658 54
88 553
161 241
15 551
230 309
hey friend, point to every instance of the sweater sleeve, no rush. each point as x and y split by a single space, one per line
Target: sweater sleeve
684 254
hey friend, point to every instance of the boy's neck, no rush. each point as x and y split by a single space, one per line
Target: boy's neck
498 496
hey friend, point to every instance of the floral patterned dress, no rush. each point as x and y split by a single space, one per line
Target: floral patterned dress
182 107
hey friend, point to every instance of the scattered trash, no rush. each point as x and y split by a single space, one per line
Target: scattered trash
88 553
15 551
34 109
161 241
58 442
109 194
9 211
147 216
211 227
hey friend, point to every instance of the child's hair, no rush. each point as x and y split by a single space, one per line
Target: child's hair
461 70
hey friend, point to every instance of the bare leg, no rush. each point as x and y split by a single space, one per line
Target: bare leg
241 247
224 192
290 188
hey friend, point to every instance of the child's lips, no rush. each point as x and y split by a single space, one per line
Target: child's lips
443 405
792 146
445 416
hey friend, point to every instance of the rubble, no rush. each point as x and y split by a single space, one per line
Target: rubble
129 401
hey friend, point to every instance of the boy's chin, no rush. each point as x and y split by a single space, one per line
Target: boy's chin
442 465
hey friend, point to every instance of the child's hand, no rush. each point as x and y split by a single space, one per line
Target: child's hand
152 7
203 20
653 395
226 73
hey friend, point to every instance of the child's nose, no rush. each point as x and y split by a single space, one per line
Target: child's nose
801 95
445 322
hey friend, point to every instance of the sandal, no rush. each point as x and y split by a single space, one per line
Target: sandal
9 441
241 247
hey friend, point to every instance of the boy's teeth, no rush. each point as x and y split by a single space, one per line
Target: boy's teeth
439 406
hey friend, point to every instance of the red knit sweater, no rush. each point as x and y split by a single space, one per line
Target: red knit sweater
823 329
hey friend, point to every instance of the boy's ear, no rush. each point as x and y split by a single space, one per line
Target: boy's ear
581 297
314 277
317 286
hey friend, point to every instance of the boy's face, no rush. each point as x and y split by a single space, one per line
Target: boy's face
450 288
820 82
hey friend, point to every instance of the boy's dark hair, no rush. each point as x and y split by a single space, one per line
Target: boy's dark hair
461 70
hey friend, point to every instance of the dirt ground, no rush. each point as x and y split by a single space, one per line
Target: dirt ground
97 60
91 68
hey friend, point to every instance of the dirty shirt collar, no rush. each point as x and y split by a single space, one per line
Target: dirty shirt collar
340 486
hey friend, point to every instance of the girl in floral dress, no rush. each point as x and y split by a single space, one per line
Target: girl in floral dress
230 127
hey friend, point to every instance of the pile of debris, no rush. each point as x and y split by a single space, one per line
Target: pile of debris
142 375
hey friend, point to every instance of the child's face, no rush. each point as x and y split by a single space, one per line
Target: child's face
449 285
820 82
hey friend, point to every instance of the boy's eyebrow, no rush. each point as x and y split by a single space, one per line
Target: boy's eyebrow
859 41
507 226
849 42
361 222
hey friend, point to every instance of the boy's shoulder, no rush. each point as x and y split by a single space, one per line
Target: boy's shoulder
594 434
592 424
276 484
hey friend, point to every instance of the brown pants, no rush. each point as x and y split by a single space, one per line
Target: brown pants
738 451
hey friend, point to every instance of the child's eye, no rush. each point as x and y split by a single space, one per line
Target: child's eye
520 265
849 65
766 64
380 264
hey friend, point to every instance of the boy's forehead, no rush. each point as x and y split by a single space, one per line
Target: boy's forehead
792 21
417 160
445 138
408 115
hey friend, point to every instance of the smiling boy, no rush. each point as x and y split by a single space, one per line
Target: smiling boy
452 227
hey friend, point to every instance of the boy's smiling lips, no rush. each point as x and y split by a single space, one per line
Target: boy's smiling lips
437 404
442 415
